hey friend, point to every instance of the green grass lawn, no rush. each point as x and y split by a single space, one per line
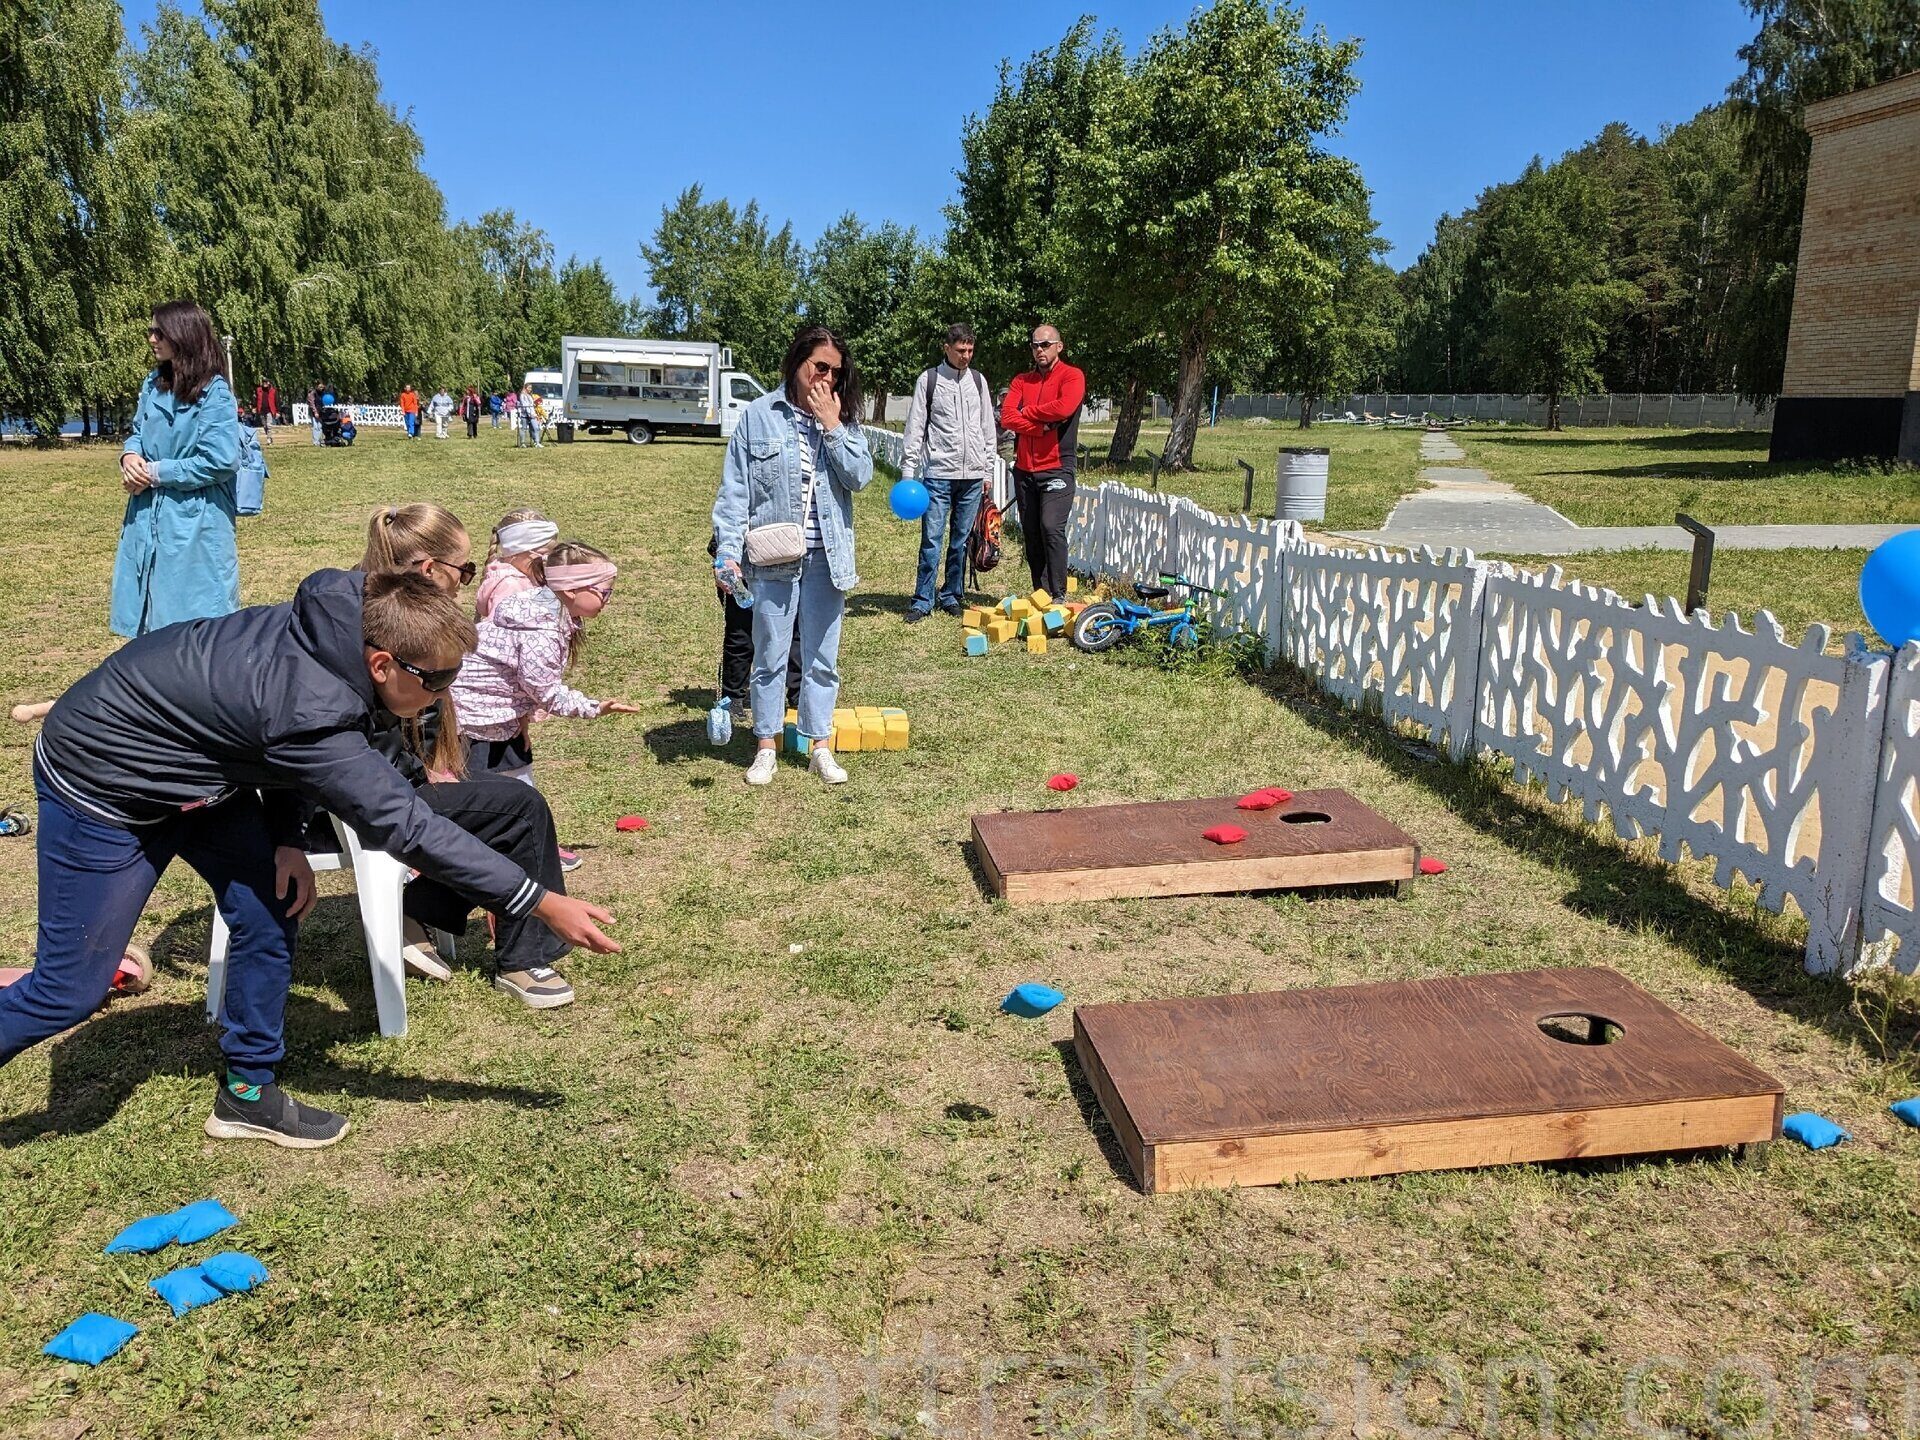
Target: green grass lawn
1368 470
1720 477
1800 587
785 1142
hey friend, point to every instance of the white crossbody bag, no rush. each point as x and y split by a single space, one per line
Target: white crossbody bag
784 542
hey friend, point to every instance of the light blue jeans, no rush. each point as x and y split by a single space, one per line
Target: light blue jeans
784 598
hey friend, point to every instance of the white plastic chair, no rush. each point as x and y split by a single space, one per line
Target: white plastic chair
378 880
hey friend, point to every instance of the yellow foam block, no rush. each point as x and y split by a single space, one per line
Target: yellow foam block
866 712
847 741
1014 606
1000 631
1073 584
873 734
976 617
793 717
1037 643
842 719
897 731
1040 600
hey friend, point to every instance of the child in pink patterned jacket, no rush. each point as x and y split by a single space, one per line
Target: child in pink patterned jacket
521 661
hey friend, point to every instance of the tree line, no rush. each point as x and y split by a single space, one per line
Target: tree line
1633 264
1177 212
244 159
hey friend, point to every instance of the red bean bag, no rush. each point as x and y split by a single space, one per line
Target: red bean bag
1062 782
1225 834
630 822
1263 799
1431 866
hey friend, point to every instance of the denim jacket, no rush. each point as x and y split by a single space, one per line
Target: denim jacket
760 483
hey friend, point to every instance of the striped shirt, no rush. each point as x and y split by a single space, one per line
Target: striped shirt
813 463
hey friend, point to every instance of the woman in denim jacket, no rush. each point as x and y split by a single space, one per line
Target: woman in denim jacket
761 483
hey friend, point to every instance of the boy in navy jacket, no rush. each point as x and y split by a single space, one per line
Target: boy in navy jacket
212 741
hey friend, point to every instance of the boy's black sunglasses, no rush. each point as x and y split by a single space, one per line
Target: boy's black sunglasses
432 681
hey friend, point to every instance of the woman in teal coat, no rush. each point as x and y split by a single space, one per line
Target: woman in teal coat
177 557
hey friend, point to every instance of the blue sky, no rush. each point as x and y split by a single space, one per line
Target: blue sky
586 118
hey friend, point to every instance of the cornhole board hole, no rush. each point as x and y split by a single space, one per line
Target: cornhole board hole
1443 1074
1106 852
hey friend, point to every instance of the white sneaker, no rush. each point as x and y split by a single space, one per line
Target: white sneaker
760 772
826 767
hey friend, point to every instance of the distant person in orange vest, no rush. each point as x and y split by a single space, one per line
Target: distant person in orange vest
1042 409
410 412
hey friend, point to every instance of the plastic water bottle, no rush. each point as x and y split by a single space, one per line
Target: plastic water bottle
742 596
720 722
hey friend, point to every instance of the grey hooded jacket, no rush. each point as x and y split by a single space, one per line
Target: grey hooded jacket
958 440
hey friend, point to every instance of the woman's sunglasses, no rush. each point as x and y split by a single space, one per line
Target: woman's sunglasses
432 681
820 367
466 572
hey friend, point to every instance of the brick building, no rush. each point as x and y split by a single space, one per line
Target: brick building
1852 384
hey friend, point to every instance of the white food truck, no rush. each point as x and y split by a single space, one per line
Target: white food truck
653 387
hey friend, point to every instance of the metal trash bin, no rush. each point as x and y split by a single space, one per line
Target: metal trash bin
1300 483
563 431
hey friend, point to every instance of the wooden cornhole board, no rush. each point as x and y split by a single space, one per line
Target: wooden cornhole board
1105 852
1328 1084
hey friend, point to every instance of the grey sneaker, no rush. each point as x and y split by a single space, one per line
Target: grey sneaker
421 954
540 988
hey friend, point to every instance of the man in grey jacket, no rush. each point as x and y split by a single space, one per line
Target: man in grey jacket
950 439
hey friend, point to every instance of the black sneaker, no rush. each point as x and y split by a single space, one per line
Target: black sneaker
915 616
951 608
272 1114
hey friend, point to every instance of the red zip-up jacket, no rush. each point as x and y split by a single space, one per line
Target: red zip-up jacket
1043 411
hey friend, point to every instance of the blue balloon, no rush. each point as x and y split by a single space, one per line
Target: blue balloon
327 399
1890 588
909 499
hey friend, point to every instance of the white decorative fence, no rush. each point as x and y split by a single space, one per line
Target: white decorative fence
387 415
1794 768
889 447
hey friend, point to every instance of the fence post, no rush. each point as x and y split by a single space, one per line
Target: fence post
1246 505
1856 731
1277 599
1464 710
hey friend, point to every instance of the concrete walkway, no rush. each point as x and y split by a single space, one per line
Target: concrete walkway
1464 506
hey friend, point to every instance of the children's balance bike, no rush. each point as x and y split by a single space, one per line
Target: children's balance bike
1103 626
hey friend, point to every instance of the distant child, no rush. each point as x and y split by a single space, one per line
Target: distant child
520 541
520 663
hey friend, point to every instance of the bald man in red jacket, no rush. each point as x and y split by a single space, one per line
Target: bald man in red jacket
1042 409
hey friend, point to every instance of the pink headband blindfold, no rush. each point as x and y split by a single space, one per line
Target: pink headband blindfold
588 575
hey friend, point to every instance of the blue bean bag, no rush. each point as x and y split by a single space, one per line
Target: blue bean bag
185 1289
90 1339
1813 1131
1907 1110
234 1271
203 1219
1030 1001
144 1236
